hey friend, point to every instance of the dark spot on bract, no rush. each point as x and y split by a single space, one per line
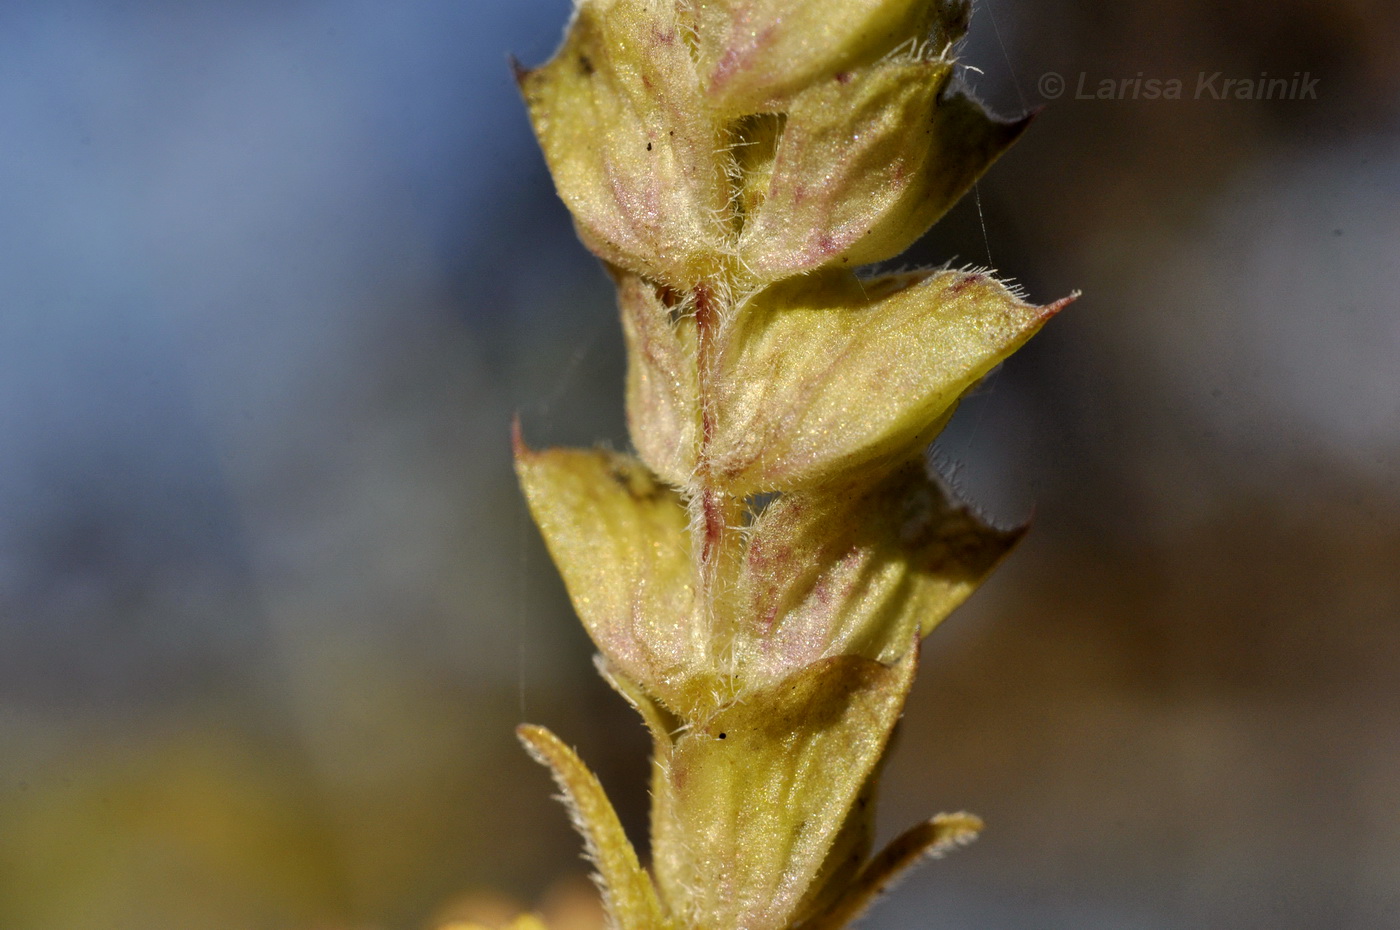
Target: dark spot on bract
648 146
585 65
723 735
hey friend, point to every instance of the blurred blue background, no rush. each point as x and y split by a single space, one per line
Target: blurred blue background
275 276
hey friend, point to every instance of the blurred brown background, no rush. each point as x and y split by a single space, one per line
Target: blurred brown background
274 277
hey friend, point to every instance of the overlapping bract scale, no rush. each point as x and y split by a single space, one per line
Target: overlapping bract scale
856 570
758 793
753 55
817 376
663 397
866 163
831 372
619 539
633 149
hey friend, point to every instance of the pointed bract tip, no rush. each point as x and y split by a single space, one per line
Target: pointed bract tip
517 438
1019 124
1051 309
518 70
1018 533
931 839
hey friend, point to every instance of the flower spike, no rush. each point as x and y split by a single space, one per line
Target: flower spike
758 577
